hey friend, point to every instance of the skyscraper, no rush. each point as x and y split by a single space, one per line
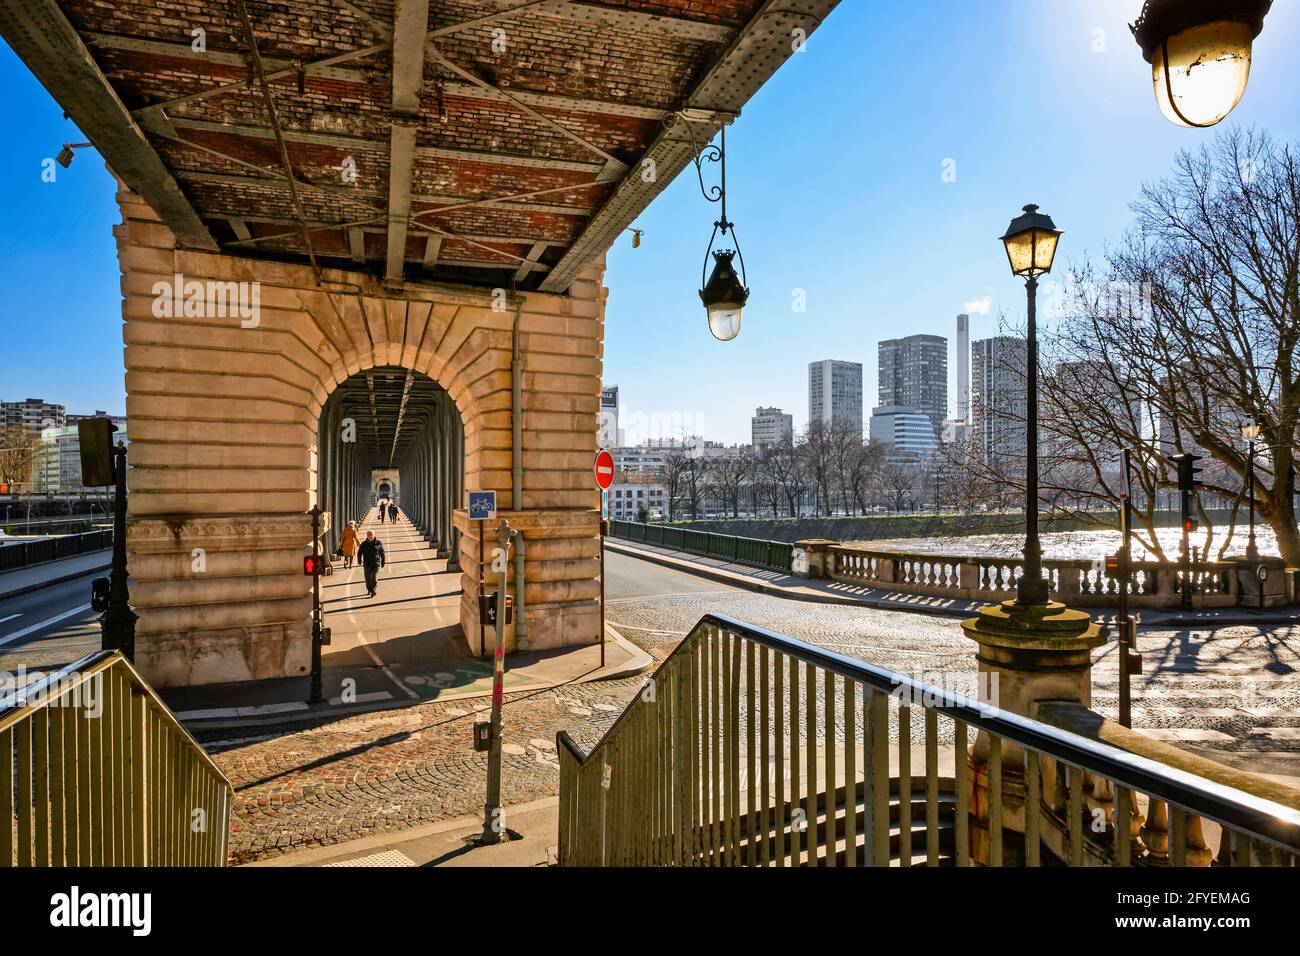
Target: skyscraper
914 374
998 395
963 367
835 392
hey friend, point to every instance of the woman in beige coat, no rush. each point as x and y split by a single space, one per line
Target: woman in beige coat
349 542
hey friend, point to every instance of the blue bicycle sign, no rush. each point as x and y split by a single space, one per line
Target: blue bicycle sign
482 505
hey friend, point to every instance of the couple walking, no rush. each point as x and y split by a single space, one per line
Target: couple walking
369 552
391 510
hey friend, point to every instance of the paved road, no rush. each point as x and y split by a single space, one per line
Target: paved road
54 625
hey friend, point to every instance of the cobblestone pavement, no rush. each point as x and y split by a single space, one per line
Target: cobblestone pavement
1233 696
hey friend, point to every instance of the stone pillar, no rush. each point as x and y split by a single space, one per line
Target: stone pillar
818 562
1026 654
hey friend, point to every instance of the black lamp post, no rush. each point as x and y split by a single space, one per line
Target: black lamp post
117 626
1199 51
724 293
1030 242
1250 431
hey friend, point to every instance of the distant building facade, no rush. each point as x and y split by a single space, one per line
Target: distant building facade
998 395
906 428
627 500
56 460
835 392
608 434
33 413
770 426
913 373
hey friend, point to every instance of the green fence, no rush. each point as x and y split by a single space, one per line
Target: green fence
776 555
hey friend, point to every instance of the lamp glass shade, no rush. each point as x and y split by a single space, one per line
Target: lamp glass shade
1250 430
1031 251
724 297
1201 73
724 321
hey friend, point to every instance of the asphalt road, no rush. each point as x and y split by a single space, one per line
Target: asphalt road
54 625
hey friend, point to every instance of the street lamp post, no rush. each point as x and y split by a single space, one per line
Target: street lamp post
1250 431
1030 243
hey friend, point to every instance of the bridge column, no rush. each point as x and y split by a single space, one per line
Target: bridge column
225 406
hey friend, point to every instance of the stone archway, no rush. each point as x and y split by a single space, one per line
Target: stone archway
224 407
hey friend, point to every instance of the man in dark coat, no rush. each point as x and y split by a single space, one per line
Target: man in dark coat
371 556
392 513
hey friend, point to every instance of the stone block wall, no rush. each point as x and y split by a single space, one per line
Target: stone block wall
224 411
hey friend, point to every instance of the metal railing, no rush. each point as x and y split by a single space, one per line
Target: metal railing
775 555
748 747
26 553
96 771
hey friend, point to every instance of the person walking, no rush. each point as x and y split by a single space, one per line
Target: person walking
383 510
371 556
349 541
392 513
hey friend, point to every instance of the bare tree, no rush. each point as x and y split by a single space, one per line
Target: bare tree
728 475
17 451
673 474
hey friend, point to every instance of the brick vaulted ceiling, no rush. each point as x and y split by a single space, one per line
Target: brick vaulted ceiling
495 142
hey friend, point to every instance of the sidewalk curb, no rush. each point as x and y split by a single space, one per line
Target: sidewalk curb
639 662
6 595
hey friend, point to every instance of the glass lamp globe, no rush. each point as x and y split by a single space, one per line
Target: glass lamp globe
1030 242
1201 73
724 297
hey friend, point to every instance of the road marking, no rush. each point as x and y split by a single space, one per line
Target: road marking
9 618
32 628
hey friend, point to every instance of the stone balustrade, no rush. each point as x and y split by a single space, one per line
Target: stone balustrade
1154 584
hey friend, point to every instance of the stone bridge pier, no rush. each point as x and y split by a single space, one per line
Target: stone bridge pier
228 444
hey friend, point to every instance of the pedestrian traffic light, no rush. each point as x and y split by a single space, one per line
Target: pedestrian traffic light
1187 470
1117 565
311 565
1190 524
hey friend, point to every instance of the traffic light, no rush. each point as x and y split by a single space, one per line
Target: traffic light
1190 524
311 565
1187 469
1117 565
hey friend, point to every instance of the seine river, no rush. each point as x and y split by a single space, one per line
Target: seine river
1082 545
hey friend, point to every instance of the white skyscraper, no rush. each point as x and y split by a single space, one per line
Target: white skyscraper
963 367
835 392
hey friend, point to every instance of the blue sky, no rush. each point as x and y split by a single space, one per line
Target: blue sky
835 183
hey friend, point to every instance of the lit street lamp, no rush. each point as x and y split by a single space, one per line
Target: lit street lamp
724 293
1199 51
1030 242
1250 431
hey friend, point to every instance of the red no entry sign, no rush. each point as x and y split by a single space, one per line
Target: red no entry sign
604 470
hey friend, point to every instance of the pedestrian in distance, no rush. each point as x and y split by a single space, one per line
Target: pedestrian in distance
349 541
383 510
371 556
392 513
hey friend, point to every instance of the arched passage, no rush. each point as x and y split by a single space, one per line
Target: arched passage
391 432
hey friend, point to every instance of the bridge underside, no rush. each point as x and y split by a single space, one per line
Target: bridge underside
383 187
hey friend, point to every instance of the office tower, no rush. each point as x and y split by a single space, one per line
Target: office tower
835 392
998 395
906 429
963 368
770 426
914 374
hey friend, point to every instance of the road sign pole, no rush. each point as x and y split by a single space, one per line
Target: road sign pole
493 815
316 696
1125 642
604 471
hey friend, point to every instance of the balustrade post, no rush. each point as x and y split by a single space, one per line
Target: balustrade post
1026 654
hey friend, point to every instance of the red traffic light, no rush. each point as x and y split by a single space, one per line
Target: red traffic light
310 565
1190 524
